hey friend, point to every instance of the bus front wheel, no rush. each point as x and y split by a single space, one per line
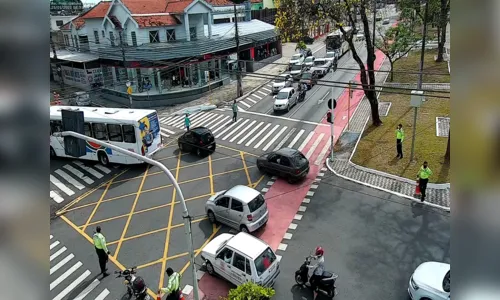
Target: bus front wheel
103 158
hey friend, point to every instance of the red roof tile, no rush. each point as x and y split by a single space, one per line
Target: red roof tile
177 6
146 6
98 11
255 1
219 2
157 21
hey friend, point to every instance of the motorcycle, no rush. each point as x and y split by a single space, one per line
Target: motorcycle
302 95
324 285
135 284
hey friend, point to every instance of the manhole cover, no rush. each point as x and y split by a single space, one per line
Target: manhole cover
383 108
442 126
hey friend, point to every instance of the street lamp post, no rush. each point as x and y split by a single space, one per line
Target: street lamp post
185 213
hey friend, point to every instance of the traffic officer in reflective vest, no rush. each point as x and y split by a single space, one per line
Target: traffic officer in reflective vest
172 289
101 249
423 179
400 136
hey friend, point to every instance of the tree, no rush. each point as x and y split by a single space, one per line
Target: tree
443 23
396 42
250 291
340 12
447 155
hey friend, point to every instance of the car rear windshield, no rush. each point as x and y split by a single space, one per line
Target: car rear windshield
207 137
264 261
299 159
319 62
295 56
282 95
256 203
296 67
280 79
330 54
306 76
309 59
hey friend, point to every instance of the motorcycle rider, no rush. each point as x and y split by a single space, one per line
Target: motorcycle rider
318 267
302 91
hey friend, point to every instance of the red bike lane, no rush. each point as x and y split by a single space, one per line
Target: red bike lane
283 199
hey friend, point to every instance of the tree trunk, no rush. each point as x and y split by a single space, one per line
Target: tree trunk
392 67
447 155
443 22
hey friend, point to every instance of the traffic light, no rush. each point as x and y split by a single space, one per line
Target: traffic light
329 118
72 120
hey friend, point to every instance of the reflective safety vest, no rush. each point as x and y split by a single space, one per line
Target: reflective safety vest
424 173
400 134
174 283
100 241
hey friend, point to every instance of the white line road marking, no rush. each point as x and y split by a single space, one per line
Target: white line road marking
65 275
59 252
287 236
235 130
244 104
267 90
314 186
80 175
310 194
322 154
304 143
241 109
88 169
202 119
61 263
269 85
292 226
227 128
262 93
251 100
70 179
306 200
302 208
167 130
282 247
87 290
250 133
297 217
285 118
55 196
283 141
213 121
103 168
166 119
73 285
51 236
54 244
222 123
314 146
297 137
343 118
264 190
165 135
181 123
266 136
275 138
242 131
174 120
61 186
102 295
257 135
162 119
270 183
259 97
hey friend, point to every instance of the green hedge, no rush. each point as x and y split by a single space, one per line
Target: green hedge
250 291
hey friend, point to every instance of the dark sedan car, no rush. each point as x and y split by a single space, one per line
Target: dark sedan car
199 140
287 163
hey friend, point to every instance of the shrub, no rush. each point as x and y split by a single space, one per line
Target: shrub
250 291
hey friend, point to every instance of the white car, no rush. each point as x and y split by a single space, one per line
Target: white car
297 59
331 56
431 281
241 258
309 61
285 99
282 81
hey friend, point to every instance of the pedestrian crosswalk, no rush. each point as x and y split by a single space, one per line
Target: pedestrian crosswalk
255 134
68 276
255 97
74 176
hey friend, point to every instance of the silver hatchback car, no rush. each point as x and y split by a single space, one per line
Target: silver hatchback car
240 207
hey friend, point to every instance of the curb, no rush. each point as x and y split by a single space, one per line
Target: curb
385 190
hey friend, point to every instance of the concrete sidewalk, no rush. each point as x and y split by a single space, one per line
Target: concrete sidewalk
438 195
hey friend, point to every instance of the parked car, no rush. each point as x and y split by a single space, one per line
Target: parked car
296 71
241 258
321 66
309 61
297 58
240 207
386 22
82 99
282 81
309 78
287 163
285 99
430 280
199 140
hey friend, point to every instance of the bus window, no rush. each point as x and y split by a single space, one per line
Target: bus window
129 134
55 126
87 129
115 133
100 132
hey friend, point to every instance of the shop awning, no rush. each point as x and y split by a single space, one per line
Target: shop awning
73 56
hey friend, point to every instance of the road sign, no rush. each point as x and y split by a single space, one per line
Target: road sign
330 106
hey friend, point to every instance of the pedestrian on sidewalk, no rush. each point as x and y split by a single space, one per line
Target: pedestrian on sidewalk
235 111
400 136
101 249
187 122
423 179
174 283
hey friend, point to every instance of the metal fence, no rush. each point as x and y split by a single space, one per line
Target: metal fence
267 15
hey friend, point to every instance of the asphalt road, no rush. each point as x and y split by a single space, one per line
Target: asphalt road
141 217
372 240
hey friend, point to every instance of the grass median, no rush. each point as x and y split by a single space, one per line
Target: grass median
412 64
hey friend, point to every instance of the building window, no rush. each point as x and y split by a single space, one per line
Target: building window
154 37
170 35
103 33
223 20
76 42
59 23
112 38
66 40
192 33
96 36
134 38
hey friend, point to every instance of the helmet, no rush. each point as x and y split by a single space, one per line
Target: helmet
319 251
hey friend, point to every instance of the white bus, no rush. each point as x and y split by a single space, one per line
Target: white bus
335 41
137 130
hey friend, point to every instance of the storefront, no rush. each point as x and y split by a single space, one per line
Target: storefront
81 70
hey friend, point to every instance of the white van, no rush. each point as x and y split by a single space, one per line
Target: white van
241 258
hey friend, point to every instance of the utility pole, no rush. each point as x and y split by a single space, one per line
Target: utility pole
374 22
420 78
122 46
53 46
239 91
